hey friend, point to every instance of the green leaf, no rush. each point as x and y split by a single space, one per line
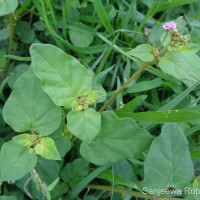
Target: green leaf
163 116
144 52
102 14
184 66
62 142
190 47
47 149
23 139
4 197
84 124
168 163
7 6
133 104
94 95
119 139
80 39
16 161
50 173
63 77
72 173
53 184
4 34
195 153
143 86
30 108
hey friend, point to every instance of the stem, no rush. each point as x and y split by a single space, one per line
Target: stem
130 192
42 184
10 43
25 188
139 71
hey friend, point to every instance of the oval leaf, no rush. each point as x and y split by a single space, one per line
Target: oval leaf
168 160
63 77
119 139
144 52
84 124
30 108
16 161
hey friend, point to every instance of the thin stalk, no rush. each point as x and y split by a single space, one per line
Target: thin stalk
138 72
129 192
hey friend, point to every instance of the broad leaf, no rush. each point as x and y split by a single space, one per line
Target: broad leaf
16 161
30 108
84 124
47 149
168 160
63 77
144 52
7 6
119 139
184 66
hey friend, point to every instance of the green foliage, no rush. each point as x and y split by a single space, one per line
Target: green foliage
72 173
29 108
84 124
19 161
7 6
87 57
181 65
167 151
47 149
117 140
144 52
63 78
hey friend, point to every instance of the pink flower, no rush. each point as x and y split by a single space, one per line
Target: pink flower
170 26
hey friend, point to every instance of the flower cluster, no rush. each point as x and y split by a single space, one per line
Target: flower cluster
176 37
170 26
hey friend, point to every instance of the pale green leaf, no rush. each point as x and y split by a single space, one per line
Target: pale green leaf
168 163
23 139
119 139
144 52
47 149
84 124
7 6
16 161
63 77
190 47
30 108
184 66
94 95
